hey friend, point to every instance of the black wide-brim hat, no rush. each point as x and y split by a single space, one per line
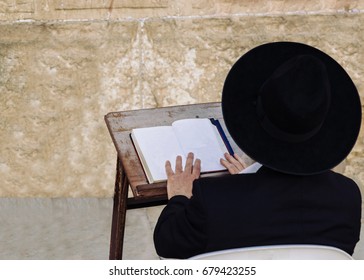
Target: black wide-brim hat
322 150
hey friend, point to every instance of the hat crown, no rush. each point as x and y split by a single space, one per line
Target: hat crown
294 100
289 111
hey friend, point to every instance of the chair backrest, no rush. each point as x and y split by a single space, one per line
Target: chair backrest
278 252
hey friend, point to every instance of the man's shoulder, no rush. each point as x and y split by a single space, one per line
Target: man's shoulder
266 176
343 181
338 176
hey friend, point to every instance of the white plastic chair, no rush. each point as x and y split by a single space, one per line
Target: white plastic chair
278 252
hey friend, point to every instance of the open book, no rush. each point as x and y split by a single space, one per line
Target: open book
156 145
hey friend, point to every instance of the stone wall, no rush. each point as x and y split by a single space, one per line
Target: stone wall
65 64
146 9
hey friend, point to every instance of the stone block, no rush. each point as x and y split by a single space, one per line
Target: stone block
188 59
144 9
18 6
57 82
110 4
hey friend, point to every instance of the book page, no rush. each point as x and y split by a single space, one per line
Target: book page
158 144
202 138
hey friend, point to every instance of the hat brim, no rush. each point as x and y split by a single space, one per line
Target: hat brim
321 152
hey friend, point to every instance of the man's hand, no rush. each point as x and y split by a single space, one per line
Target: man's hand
180 181
234 164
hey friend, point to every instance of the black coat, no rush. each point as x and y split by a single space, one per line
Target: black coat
264 208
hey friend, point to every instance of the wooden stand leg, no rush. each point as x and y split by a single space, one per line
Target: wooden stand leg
119 213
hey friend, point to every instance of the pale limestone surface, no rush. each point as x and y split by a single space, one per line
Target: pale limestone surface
57 82
65 64
55 228
77 228
59 79
141 9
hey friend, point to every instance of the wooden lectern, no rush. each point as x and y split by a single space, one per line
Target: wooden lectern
129 171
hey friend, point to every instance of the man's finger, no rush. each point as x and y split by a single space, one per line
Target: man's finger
239 159
196 169
168 168
189 162
229 166
178 168
234 161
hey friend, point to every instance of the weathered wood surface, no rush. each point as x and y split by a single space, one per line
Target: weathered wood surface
119 214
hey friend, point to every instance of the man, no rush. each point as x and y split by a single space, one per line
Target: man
297 113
